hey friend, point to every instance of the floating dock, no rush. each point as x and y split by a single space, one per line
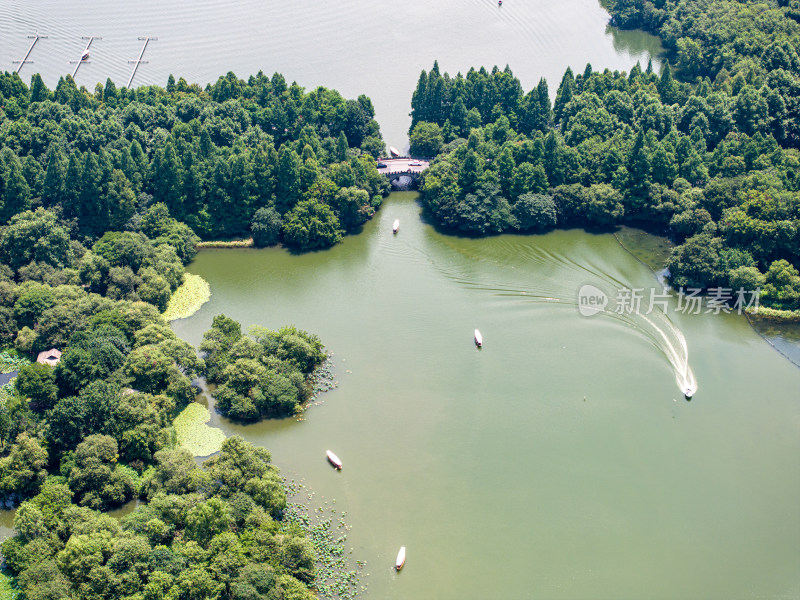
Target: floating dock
35 39
139 60
78 62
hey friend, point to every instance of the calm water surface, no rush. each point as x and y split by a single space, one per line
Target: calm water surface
373 48
561 460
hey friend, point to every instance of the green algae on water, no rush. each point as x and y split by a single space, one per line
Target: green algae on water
193 433
188 298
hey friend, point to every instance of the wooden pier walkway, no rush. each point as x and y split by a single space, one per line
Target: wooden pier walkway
79 62
35 39
139 60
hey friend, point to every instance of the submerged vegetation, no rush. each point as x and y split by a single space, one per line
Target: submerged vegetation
188 298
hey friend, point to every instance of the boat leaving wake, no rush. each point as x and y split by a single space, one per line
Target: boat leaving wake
672 343
656 327
556 278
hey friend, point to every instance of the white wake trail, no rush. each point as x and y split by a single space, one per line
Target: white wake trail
673 345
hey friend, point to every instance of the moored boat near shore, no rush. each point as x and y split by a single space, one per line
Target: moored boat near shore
334 460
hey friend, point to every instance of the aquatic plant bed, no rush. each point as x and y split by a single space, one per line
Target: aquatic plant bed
323 379
10 361
188 298
248 243
6 391
193 433
772 314
326 529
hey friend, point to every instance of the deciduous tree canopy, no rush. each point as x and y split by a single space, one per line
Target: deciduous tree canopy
260 376
204 535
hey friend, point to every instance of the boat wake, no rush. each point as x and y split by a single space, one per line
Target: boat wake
671 341
557 280
657 328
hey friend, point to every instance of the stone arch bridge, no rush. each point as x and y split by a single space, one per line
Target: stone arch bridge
402 172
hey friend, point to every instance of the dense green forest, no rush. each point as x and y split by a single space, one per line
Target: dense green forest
96 431
711 162
202 534
103 200
105 194
725 38
237 158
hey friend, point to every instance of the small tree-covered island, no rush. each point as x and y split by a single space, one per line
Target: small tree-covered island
707 153
104 198
262 375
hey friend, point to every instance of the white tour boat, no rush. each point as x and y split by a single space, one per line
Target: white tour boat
334 460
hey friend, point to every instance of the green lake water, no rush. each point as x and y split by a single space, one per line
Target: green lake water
559 461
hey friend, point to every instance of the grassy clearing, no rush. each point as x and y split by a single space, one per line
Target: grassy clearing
193 433
188 298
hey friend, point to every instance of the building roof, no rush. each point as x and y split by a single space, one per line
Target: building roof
49 357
